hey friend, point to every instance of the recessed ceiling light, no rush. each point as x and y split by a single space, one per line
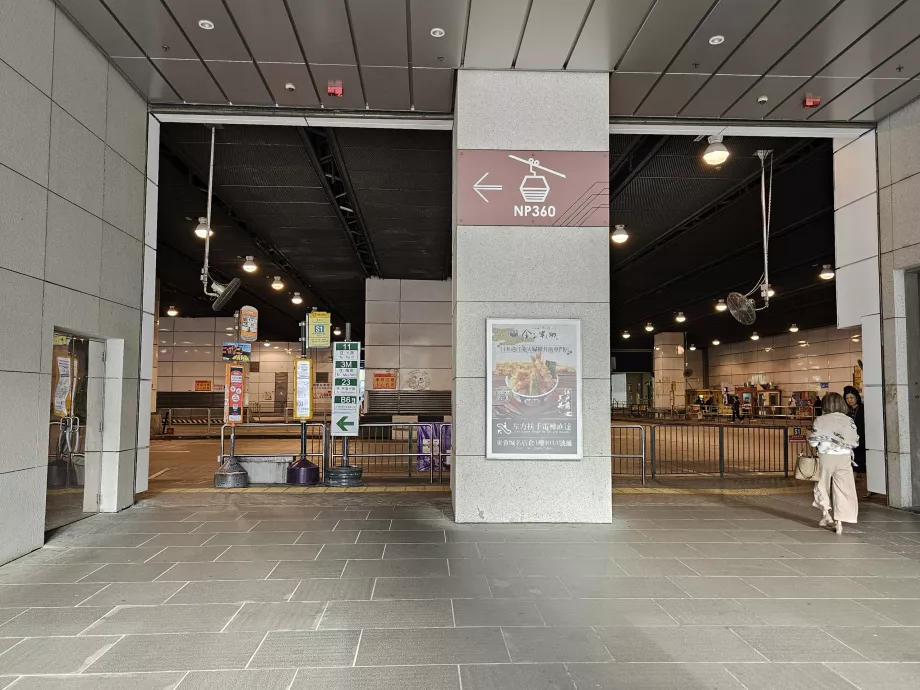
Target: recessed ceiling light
206 24
438 32
716 40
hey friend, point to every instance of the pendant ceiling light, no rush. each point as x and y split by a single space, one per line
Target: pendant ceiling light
172 311
250 265
277 284
649 327
826 272
721 306
619 235
680 318
715 153
202 230
297 299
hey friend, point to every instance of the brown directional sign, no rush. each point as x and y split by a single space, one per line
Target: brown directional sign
552 188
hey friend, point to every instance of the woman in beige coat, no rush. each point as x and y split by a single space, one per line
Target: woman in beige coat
834 435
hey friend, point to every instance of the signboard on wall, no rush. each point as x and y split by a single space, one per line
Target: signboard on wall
235 394
303 391
236 352
203 386
533 390
385 380
249 324
322 391
551 188
319 329
346 396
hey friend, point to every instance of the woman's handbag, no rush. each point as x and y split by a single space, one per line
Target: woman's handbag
807 468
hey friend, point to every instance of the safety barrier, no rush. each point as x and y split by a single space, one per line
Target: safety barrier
315 441
769 415
627 444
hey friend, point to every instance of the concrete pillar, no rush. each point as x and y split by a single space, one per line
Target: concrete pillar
530 272
668 363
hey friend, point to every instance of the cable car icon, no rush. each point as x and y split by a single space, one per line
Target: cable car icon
534 188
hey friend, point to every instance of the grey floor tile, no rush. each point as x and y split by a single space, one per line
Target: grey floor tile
265 617
292 525
492 612
136 681
270 679
329 589
471 587
548 567
894 587
162 540
45 573
775 523
823 536
398 567
497 567
811 588
253 538
148 527
841 551
145 572
827 567
765 536
187 572
514 551
379 678
363 524
61 540
880 676
305 649
134 593
817 612
362 615
546 536
746 551
689 536
53 622
516 677
892 568
342 514
622 587
351 551
618 535
431 646
431 551
241 525
685 644
587 551
108 555
787 644
46 595
648 676
788 677
269 552
343 537
879 644
196 651
188 554
694 524
528 588
172 618
481 536
424 524
739 567
666 550
294 570
53 655
558 644
632 612
9 614
401 537
653 567
717 588
234 591
901 611
709 612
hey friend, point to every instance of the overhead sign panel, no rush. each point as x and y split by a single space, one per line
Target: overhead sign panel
319 329
551 188
249 324
346 394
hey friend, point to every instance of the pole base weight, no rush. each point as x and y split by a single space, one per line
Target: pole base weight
303 474
344 476
231 475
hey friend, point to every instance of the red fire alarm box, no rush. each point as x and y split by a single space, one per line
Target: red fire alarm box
335 88
812 101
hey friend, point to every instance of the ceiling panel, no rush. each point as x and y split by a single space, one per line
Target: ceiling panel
891 102
380 32
387 88
774 88
610 29
278 74
267 29
670 23
855 99
433 89
732 20
844 25
101 25
495 27
825 87
721 91
147 79
324 31
627 89
153 28
352 97
241 82
550 33
903 63
893 33
450 15
220 43
671 93
191 80
779 31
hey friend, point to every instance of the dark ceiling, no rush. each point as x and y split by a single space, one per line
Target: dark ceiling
327 208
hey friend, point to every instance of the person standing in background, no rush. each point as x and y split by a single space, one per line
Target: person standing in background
857 413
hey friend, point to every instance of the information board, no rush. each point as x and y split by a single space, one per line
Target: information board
346 394
236 352
249 324
235 394
319 329
303 393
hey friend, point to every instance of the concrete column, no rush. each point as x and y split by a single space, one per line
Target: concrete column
530 272
668 363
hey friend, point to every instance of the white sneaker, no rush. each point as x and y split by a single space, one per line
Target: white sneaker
838 527
826 521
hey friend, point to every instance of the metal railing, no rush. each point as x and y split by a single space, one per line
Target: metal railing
721 449
316 441
627 445
393 449
772 414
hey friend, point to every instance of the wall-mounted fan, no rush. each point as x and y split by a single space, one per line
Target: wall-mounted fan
742 306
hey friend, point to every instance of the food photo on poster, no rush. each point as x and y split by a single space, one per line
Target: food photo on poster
534 389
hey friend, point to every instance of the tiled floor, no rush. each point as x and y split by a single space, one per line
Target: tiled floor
384 591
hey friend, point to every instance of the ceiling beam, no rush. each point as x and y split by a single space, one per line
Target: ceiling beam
325 154
635 160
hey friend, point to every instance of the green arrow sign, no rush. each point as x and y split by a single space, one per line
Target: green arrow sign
344 423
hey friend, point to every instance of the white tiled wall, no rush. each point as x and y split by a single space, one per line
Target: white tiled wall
408 327
668 366
791 361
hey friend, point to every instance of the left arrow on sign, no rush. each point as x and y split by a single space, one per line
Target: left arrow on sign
479 187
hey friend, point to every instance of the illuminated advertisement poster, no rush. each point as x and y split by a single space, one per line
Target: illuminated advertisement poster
235 393
303 393
236 352
533 389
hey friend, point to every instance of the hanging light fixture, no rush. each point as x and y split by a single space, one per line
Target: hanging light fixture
619 235
625 335
826 272
172 311
202 230
770 292
793 328
721 306
692 348
715 342
250 265
337 331
297 299
680 318
649 327
754 336
715 153
277 284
